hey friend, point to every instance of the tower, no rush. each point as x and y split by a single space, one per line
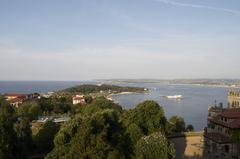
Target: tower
234 99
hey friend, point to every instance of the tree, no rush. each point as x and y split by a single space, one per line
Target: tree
47 105
98 136
189 128
100 104
62 105
177 124
135 132
44 138
88 99
147 116
24 134
7 134
103 130
154 146
30 110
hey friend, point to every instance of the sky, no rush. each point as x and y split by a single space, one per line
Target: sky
105 39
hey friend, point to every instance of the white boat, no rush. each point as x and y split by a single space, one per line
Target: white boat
175 97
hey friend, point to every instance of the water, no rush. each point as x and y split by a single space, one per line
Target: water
35 86
193 108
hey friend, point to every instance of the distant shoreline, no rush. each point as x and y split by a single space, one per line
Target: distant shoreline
210 85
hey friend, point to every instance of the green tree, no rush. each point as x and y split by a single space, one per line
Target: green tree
30 110
148 117
177 124
189 128
24 134
88 99
98 136
154 146
100 104
7 134
103 130
62 105
44 138
47 105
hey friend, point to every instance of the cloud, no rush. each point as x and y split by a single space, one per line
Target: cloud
170 2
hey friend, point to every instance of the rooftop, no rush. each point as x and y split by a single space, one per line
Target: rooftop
233 113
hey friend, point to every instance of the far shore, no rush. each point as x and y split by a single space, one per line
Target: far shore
211 85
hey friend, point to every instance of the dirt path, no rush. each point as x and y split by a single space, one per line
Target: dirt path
190 147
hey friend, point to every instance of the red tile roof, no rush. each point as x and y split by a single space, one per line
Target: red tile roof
78 98
233 113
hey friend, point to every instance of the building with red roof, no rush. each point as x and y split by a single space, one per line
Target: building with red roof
16 99
222 124
79 99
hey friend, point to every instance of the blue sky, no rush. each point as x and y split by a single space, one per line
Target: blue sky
96 39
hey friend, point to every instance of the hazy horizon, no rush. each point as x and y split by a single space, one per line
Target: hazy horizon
121 79
83 40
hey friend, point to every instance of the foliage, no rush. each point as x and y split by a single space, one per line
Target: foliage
43 140
7 133
177 124
189 128
103 130
88 99
98 136
154 146
148 117
46 106
99 104
55 105
24 134
69 129
30 110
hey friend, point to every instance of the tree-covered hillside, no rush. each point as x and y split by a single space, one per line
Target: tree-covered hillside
89 88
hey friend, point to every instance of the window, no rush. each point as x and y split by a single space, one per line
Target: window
227 131
226 148
219 128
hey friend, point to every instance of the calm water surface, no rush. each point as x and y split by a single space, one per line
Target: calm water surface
193 107
35 86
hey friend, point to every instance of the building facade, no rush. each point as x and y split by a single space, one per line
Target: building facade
222 125
79 99
17 99
234 99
